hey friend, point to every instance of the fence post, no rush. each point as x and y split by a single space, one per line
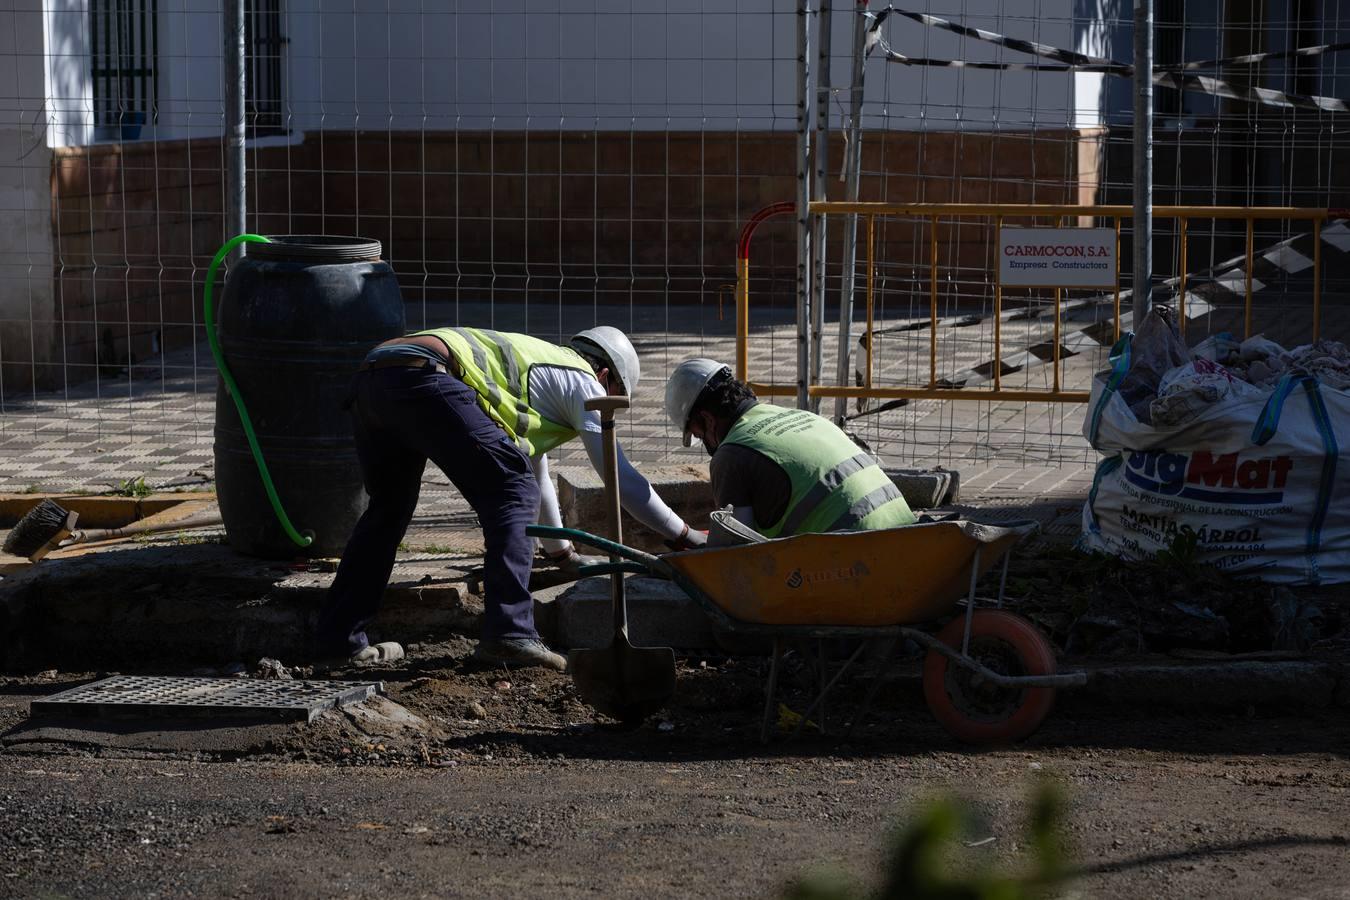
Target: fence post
1143 159
820 151
853 158
804 283
234 87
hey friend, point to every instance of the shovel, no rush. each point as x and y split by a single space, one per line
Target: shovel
622 681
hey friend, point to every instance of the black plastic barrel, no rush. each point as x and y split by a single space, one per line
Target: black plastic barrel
295 320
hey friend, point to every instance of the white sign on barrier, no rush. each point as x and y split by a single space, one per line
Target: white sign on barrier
1057 257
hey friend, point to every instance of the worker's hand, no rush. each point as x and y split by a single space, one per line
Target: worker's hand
569 561
689 539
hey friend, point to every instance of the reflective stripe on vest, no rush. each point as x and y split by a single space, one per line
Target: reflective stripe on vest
497 366
514 387
867 505
834 487
828 484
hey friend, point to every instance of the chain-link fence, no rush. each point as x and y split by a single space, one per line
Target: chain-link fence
543 166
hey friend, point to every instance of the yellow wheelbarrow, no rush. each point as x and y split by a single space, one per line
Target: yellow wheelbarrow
989 675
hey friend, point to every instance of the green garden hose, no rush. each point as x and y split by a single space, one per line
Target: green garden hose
301 540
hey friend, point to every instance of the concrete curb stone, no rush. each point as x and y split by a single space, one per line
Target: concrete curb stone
659 614
199 604
1233 686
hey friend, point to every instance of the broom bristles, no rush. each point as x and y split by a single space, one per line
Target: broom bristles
42 523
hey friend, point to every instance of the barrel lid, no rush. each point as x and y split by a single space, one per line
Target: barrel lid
317 248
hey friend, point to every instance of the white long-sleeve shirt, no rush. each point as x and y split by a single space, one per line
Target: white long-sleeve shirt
559 394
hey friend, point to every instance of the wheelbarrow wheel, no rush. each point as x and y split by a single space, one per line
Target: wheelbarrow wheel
974 710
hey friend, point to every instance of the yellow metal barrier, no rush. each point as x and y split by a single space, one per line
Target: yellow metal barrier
934 212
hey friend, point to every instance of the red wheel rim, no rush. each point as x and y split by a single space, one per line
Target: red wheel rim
982 713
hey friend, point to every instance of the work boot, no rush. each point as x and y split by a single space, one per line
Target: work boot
519 652
366 657
385 652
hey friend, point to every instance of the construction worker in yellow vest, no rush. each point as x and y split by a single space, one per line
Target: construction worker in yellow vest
782 471
485 407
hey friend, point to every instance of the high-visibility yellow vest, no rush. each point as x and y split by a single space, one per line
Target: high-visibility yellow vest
497 365
835 485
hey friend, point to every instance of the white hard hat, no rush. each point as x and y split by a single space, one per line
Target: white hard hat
613 347
686 383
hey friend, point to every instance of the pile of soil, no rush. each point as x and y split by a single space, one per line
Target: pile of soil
1092 604
441 710
529 713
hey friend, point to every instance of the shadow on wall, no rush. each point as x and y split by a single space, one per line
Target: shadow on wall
26 263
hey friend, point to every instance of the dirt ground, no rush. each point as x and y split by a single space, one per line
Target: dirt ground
502 784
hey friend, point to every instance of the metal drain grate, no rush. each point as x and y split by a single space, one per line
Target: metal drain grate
135 696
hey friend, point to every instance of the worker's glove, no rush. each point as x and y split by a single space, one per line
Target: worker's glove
689 539
569 561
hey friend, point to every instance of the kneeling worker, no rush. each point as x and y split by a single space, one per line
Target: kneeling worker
782 471
485 407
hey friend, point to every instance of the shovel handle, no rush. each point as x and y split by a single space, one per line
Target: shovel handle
607 406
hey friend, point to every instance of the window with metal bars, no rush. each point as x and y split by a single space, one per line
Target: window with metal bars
264 44
124 50
1169 47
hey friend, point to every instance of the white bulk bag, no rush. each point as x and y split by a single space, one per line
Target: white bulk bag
1259 480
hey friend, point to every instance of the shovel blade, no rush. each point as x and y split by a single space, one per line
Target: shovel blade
622 681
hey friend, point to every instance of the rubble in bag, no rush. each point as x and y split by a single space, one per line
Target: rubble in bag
1218 348
1156 349
1328 361
1259 361
1168 385
1187 391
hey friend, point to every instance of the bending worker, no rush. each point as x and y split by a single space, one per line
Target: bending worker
485 407
782 471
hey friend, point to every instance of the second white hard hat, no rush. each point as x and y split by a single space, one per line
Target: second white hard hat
686 383
611 345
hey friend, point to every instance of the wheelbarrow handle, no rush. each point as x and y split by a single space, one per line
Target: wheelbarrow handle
653 564
613 568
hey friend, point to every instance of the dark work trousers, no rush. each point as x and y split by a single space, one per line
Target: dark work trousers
403 417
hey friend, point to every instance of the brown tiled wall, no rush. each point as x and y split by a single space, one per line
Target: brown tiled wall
638 217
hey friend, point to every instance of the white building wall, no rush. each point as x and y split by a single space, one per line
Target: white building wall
648 65
1097 36
948 99
601 64
68 108
190 100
